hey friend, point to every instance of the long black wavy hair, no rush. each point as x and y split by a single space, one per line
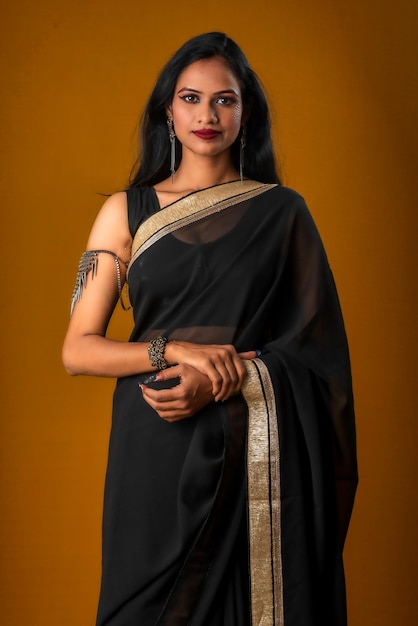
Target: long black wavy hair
153 163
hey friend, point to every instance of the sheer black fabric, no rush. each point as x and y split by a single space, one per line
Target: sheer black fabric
175 538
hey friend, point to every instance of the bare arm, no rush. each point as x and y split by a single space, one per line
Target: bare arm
86 348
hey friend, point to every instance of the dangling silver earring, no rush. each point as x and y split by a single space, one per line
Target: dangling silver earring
172 136
241 153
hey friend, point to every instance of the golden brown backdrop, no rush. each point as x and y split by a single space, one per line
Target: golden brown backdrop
75 74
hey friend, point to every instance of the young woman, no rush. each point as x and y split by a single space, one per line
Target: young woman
232 465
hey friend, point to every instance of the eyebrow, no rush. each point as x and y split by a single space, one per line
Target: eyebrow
216 93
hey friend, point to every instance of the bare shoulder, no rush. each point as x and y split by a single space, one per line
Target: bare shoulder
110 230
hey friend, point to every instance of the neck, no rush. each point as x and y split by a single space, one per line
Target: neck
202 172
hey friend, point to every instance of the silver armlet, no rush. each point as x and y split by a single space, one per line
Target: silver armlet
88 263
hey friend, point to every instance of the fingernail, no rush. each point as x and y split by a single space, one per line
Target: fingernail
258 352
140 387
150 379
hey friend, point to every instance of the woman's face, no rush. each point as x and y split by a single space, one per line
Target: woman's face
207 107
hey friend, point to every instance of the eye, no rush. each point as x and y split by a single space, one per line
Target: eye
192 98
225 100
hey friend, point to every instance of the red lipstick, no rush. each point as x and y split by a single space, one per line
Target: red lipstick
206 133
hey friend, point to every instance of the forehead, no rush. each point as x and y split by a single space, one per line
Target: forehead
214 74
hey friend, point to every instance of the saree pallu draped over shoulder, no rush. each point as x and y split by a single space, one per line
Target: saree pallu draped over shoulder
237 516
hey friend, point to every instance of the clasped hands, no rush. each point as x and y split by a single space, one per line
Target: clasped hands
205 372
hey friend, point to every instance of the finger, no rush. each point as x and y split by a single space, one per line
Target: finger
237 371
230 380
166 408
160 396
170 411
215 378
230 369
236 380
251 354
220 377
230 383
173 416
171 372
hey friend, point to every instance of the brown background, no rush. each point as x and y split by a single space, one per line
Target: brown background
75 75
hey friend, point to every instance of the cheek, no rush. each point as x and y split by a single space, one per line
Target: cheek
177 117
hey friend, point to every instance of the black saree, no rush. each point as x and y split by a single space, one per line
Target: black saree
237 516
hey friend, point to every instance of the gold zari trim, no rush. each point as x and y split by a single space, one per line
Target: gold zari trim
263 466
194 206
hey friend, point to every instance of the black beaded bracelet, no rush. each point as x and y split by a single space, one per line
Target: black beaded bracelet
156 351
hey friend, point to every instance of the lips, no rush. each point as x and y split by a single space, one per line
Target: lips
206 133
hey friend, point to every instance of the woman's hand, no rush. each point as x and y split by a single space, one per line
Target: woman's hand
184 400
220 363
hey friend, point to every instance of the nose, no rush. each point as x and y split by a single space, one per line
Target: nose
207 113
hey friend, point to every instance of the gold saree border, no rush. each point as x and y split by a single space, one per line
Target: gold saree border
196 205
263 467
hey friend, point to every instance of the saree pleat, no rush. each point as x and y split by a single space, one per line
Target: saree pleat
237 516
